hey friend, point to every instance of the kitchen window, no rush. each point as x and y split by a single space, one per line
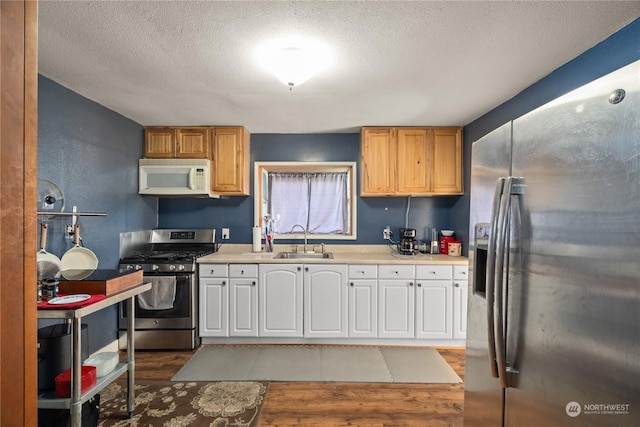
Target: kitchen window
318 196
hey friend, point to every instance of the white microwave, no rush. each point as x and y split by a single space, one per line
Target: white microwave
175 177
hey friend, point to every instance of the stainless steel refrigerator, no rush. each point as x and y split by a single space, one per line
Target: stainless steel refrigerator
553 333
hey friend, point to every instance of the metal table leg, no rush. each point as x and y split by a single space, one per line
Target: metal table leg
130 355
76 373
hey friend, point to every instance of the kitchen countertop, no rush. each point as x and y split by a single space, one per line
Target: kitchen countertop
342 254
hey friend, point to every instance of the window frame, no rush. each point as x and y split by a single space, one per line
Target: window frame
262 168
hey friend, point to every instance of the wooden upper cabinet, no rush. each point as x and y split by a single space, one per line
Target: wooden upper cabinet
192 143
230 161
176 142
377 155
447 164
159 143
411 161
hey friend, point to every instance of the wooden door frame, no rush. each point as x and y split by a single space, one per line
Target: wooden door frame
18 196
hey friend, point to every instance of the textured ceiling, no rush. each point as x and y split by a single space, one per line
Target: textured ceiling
393 63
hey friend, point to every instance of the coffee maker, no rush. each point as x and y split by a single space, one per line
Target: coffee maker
407 244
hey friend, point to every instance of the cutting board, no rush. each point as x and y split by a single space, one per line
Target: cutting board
103 282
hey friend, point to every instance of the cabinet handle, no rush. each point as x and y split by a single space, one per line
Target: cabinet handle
457 285
253 283
306 269
419 284
299 269
395 272
351 284
241 271
224 282
432 272
212 271
410 283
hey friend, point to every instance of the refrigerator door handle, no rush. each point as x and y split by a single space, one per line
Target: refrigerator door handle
513 186
490 273
503 224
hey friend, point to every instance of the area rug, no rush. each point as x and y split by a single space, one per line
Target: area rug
165 403
317 363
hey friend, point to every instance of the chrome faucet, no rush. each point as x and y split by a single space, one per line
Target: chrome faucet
305 235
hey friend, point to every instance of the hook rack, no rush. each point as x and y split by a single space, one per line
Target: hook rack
74 217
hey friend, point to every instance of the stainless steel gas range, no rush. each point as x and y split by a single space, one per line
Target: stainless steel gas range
166 317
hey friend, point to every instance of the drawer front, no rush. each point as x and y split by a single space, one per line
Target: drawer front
461 272
361 271
243 270
213 270
434 272
387 271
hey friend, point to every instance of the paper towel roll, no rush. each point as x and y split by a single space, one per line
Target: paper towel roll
257 239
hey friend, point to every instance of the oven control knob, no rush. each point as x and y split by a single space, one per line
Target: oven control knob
172 267
181 267
129 267
138 267
155 268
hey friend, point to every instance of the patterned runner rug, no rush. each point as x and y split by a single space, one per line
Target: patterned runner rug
165 403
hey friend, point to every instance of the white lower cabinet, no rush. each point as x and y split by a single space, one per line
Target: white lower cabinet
214 300
460 298
363 301
434 302
333 301
280 300
243 300
396 301
325 301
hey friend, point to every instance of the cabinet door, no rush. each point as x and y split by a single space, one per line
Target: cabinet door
230 156
280 300
396 310
159 143
214 303
460 289
325 301
414 161
243 307
447 161
378 160
433 309
363 308
192 143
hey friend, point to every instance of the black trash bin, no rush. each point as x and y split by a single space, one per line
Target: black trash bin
54 352
62 417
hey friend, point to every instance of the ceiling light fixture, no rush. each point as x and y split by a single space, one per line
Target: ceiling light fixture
293 66
293 62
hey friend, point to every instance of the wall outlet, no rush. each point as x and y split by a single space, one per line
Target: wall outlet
386 233
225 234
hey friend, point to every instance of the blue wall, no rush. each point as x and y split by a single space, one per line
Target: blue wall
620 49
373 214
92 154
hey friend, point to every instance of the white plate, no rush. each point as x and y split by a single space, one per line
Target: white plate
70 299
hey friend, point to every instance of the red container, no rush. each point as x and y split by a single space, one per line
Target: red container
444 244
63 381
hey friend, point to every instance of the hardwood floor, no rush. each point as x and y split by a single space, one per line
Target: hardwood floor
340 404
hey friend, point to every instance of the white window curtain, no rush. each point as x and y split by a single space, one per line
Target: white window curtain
317 201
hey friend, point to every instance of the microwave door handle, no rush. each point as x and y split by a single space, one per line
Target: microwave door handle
490 273
192 184
502 244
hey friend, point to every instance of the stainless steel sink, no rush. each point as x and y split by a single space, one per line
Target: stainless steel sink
304 255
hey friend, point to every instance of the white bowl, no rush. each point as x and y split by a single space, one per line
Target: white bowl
447 233
104 362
